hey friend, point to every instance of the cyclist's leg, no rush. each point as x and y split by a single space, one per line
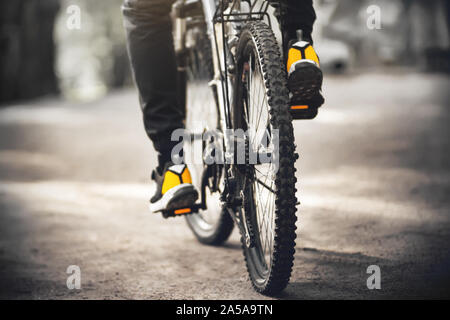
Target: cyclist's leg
150 47
296 15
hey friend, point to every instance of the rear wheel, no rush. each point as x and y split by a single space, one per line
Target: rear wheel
213 225
261 107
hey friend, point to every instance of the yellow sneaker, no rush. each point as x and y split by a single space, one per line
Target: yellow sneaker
174 190
304 80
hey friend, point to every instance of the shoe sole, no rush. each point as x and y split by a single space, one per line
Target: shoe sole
305 81
179 197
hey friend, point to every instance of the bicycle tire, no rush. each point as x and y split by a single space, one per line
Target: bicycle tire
271 277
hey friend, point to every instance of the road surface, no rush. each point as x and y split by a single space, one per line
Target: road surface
374 183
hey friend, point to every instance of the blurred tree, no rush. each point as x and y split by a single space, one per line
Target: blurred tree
27 48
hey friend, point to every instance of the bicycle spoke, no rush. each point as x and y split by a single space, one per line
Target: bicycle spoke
264 185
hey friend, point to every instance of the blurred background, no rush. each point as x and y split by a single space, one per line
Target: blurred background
41 56
75 162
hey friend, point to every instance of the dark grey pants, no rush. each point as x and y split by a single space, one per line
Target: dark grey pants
152 56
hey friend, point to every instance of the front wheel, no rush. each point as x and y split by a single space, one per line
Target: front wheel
261 108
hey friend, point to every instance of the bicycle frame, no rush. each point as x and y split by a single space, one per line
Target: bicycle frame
224 19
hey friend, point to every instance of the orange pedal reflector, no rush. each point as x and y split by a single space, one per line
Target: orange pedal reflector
181 211
299 107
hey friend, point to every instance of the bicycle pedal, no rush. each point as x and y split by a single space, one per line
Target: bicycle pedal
180 212
303 112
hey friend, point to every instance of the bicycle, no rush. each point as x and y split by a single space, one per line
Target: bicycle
232 76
